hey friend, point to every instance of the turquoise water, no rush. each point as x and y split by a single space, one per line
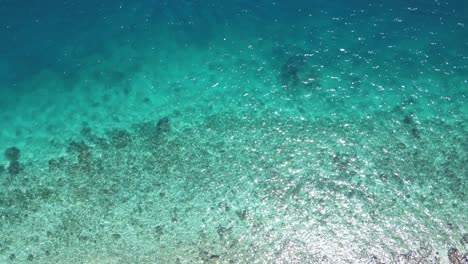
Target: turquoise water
233 132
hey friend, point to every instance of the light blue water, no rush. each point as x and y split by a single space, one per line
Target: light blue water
233 132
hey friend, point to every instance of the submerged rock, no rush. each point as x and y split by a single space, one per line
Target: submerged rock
86 163
80 148
415 133
375 260
85 157
163 126
456 257
425 254
297 73
14 168
77 147
120 138
56 164
12 154
152 133
464 239
289 74
53 165
408 120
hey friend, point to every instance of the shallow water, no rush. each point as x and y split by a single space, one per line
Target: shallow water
233 132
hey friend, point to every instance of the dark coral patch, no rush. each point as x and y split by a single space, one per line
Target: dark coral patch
14 168
120 138
298 73
12 154
163 125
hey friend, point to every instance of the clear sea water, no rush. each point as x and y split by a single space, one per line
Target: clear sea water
158 131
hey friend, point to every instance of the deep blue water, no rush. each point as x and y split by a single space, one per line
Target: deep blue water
34 33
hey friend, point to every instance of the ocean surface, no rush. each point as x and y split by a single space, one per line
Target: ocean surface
208 131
